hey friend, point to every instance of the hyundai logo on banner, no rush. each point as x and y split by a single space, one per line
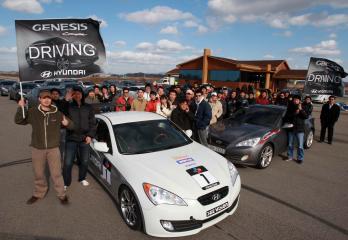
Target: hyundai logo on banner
59 48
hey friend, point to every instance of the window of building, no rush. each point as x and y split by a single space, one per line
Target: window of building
224 75
191 74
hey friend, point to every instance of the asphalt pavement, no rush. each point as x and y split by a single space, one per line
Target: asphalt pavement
284 201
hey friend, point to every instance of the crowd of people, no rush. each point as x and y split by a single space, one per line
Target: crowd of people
72 118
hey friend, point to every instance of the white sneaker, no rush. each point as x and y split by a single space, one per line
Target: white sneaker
65 188
84 183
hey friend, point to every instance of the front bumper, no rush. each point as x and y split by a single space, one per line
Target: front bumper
191 219
243 155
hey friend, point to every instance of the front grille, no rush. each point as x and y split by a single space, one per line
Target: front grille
234 157
182 226
217 142
209 198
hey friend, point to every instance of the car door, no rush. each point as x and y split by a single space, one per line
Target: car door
103 164
280 139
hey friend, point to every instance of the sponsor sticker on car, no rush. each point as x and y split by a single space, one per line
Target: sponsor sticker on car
203 177
185 161
217 209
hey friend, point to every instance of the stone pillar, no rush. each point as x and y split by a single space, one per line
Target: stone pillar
268 76
206 54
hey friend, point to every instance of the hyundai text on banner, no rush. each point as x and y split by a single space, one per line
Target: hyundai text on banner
324 77
59 48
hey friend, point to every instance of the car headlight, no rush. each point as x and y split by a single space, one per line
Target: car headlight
159 195
233 172
249 143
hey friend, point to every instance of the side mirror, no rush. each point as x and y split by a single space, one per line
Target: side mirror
189 133
100 146
287 125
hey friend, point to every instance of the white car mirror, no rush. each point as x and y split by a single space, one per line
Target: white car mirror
287 125
100 146
189 133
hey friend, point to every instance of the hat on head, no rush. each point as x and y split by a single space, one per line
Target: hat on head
214 94
77 89
189 91
45 94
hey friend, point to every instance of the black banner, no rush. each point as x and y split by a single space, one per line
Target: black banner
324 77
59 48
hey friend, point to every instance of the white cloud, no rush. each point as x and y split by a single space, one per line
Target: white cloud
169 30
269 56
202 29
28 6
190 24
145 46
103 23
276 13
156 15
3 30
333 35
162 46
120 43
8 49
324 48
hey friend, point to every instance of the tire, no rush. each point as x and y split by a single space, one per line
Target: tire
309 140
130 209
265 156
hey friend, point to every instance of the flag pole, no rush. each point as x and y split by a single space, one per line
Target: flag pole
21 93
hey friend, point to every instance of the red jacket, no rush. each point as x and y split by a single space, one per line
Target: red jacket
151 106
262 101
123 105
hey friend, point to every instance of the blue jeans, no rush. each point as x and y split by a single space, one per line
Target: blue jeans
71 149
300 139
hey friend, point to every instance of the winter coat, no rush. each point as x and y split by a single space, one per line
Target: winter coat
297 119
183 119
151 106
216 111
138 105
203 115
329 115
123 104
45 126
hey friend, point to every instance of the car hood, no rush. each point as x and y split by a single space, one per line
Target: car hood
233 132
167 169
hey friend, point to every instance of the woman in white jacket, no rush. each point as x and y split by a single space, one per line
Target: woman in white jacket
163 107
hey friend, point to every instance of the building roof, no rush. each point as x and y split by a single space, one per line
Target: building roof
298 74
174 71
251 65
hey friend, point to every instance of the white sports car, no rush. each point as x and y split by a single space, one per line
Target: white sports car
163 182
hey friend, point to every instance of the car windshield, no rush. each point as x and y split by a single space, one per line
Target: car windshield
6 83
148 136
261 116
53 83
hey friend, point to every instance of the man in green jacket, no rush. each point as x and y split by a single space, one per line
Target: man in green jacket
46 122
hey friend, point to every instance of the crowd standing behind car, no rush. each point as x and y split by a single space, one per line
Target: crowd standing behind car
222 102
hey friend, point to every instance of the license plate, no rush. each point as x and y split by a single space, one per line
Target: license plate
217 209
217 149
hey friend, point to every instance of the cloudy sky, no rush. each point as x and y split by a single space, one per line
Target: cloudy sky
154 36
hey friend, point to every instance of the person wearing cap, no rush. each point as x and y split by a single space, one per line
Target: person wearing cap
79 138
46 122
330 112
124 102
139 104
151 106
216 108
189 96
295 116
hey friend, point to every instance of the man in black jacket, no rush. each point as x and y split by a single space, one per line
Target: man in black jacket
296 116
203 114
329 115
79 138
182 116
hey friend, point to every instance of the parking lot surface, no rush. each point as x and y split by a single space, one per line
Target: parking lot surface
284 201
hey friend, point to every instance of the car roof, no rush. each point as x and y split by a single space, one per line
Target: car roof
268 106
130 116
